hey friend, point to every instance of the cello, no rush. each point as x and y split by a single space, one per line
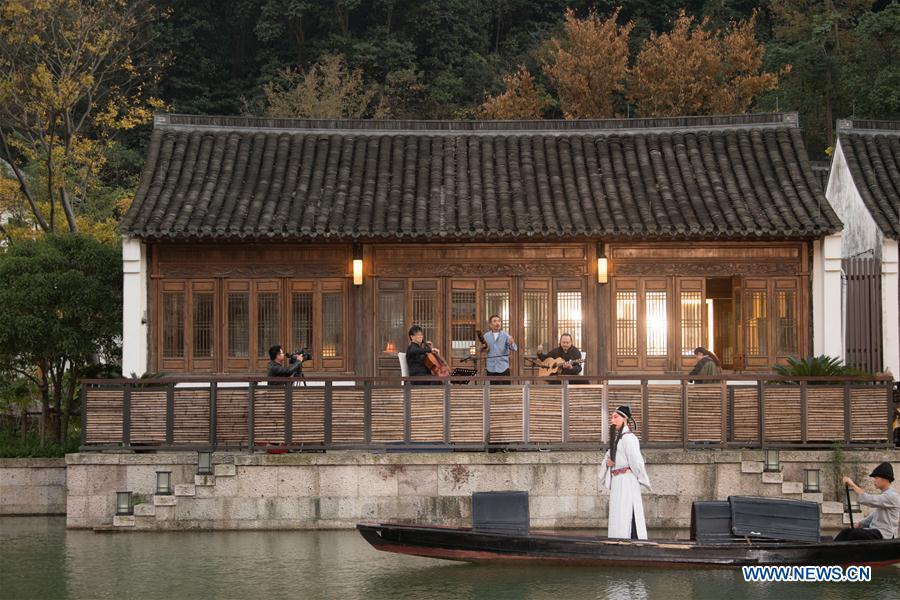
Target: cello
436 363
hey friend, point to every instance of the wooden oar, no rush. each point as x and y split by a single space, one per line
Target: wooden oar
849 505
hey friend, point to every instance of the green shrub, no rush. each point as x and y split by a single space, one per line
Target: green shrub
816 366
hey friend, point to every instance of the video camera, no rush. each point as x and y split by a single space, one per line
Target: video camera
303 353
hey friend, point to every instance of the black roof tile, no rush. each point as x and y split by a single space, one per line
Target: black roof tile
680 178
872 150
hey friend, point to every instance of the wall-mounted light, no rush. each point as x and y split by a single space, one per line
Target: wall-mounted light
357 264
773 463
204 462
163 483
811 480
602 264
124 503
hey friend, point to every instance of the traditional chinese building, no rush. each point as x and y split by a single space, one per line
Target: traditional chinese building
864 188
643 238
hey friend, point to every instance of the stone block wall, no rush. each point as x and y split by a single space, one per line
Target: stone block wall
340 489
32 486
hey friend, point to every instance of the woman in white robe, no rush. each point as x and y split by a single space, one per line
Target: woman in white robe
624 478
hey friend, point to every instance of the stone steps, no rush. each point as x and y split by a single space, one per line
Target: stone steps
163 505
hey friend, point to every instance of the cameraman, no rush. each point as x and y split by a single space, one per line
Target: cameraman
276 364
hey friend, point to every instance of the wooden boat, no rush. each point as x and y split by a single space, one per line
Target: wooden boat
465 544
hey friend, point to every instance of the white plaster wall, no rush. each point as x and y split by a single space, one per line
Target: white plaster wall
827 296
890 302
134 308
860 233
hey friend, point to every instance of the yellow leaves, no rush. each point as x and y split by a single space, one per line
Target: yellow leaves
521 100
328 90
589 66
692 70
105 230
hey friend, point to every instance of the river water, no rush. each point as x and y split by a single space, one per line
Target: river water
40 559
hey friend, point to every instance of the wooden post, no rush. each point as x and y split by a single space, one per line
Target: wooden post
486 413
407 414
447 412
684 414
526 412
645 412
803 412
126 417
761 402
847 419
288 414
367 412
213 417
327 408
251 417
170 414
565 412
84 412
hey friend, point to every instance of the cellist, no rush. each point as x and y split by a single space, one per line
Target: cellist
416 353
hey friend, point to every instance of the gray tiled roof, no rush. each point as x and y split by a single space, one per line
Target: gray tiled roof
681 178
872 150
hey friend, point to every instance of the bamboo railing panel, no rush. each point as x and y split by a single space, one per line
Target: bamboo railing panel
427 413
545 413
308 416
782 413
585 413
191 417
704 414
348 415
268 415
104 410
387 415
824 413
664 413
466 414
231 416
506 414
868 411
148 417
746 413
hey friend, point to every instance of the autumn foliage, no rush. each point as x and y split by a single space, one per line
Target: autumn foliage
521 100
692 70
588 66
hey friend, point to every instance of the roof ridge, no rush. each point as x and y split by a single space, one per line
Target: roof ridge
870 126
444 127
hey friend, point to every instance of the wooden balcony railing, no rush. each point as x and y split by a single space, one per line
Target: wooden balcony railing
381 413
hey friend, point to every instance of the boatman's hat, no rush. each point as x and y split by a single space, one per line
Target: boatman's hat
625 411
885 471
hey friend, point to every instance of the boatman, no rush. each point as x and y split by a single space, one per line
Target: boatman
623 477
882 523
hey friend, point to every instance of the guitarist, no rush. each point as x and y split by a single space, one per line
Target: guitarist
499 344
565 351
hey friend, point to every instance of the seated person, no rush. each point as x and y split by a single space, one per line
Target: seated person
707 363
276 364
882 523
416 352
565 351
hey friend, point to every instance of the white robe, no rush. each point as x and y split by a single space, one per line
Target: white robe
625 489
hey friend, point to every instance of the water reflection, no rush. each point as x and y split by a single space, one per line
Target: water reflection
40 559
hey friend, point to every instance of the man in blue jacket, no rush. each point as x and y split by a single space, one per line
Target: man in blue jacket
499 344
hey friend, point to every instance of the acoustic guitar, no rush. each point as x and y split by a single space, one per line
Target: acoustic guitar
552 366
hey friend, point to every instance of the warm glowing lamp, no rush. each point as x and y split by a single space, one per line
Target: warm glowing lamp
357 264
602 265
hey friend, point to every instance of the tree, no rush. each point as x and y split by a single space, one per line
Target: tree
815 38
327 90
62 309
521 100
588 66
72 74
693 70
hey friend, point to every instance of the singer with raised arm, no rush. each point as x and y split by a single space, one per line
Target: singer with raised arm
623 473
498 344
